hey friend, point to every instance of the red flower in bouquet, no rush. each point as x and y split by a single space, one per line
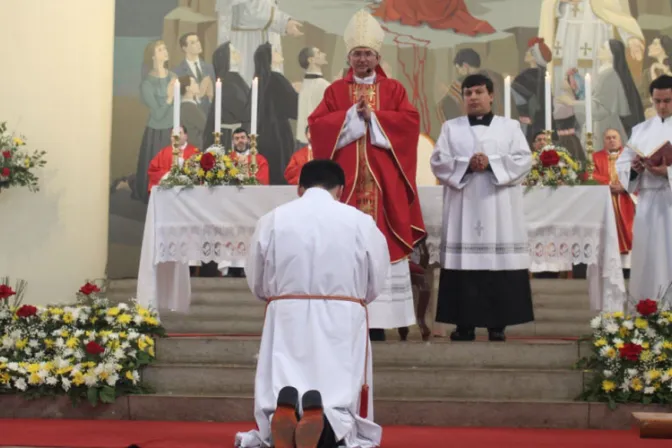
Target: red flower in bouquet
6 172
94 348
631 351
6 292
26 311
647 307
89 289
6 154
207 161
549 158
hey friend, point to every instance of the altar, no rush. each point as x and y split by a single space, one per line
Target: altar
566 225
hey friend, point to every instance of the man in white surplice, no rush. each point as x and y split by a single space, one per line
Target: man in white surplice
651 271
481 160
317 263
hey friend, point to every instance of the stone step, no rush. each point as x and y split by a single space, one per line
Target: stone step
513 354
389 382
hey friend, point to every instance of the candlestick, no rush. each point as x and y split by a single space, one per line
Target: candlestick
547 101
255 105
176 151
217 136
549 137
589 104
253 156
507 97
590 165
218 106
176 108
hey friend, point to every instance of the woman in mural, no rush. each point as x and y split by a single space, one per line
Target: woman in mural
278 103
660 51
156 92
235 96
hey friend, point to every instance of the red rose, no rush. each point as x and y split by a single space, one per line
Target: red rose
647 307
549 158
631 351
26 311
6 292
93 348
6 154
6 172
89 289
207 161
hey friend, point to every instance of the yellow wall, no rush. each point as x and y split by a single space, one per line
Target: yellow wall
57 77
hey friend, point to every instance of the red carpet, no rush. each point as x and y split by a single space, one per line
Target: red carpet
120 434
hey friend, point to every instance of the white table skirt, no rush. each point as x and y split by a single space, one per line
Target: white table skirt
568 225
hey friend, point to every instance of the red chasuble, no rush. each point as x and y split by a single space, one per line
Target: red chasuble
162 162
379 182
263 176
438 14
299 158
624 207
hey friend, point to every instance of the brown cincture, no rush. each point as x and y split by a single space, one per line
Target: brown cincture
364 395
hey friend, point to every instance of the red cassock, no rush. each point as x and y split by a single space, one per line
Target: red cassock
438 14
379 182
624 207
263 176
163 161
299 158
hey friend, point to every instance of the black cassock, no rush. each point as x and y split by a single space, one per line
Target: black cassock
529 84
235 109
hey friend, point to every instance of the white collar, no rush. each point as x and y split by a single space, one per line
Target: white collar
368 80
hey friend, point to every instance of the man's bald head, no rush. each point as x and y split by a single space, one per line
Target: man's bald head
612 140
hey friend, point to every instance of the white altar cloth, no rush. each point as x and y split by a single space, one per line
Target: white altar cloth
568 225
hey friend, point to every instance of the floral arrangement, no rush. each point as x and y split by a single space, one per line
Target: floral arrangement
632 356
553 167
88 351
212 168
16 164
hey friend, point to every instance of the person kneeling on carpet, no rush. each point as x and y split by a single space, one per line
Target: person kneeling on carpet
317 263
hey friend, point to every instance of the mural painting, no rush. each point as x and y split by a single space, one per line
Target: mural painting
296 49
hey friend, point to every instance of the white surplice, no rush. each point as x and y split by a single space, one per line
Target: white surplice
316 246
310 96
394 307
483 215
651 269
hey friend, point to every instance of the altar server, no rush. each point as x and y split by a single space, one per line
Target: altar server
481 160
162 162
651 271
317 263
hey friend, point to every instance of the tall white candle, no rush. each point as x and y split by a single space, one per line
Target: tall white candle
507 97
218 105
255 105
589 103
176 107
547 101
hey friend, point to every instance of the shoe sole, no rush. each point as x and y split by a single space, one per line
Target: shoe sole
284 423
309 430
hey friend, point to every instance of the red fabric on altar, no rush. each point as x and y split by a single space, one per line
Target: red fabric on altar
299 158
162 162
397 207
438 14
624 207
263 175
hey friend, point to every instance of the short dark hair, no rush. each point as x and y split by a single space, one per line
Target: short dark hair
663 82
538 134
322 173
184 37
239 130
477 80
304 55
467 56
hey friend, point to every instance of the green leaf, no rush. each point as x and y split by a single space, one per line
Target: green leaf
647 399
92 396
108 394
612 404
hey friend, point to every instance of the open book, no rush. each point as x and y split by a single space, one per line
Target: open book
656 157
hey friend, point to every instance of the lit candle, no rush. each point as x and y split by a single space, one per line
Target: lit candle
176 108
255 104
507 97
218 105
547 101
589 104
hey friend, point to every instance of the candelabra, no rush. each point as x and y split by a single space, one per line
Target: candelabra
253 156
590 165
217 137
549 136
176 150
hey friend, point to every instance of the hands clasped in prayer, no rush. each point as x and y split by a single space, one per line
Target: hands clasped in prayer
363 109
479 162
640 164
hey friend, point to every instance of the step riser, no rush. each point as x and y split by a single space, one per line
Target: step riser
465 355
417 384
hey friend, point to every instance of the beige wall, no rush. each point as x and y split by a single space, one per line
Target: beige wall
57 77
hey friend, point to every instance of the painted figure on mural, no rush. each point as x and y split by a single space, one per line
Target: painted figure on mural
659 51
193 65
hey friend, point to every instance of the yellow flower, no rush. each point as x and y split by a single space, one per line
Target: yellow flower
124 319
152 321
653 374
608 386
229 165
198 157
123 335
563 171
64 370
641 323
619 345
113 311
78 379
661 358
645 345
129 375
32 368
21 344
68 318
93 320
4 378
151 352
26 162
646 356
56 311
103 375
34 379
636 384
600 342
200 172
72 342
187 170
618 315
234 171
623 332
209 175
18 141
220 174
611 353
667 345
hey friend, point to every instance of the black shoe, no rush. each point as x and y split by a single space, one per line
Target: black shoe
310 427
496 335
463 334
285 420
377 334
403 333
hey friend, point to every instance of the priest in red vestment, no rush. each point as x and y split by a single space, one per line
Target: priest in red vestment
438 14
299 158
366 124
241 149
624 207
163 161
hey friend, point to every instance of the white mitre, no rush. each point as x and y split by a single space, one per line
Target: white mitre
364 31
